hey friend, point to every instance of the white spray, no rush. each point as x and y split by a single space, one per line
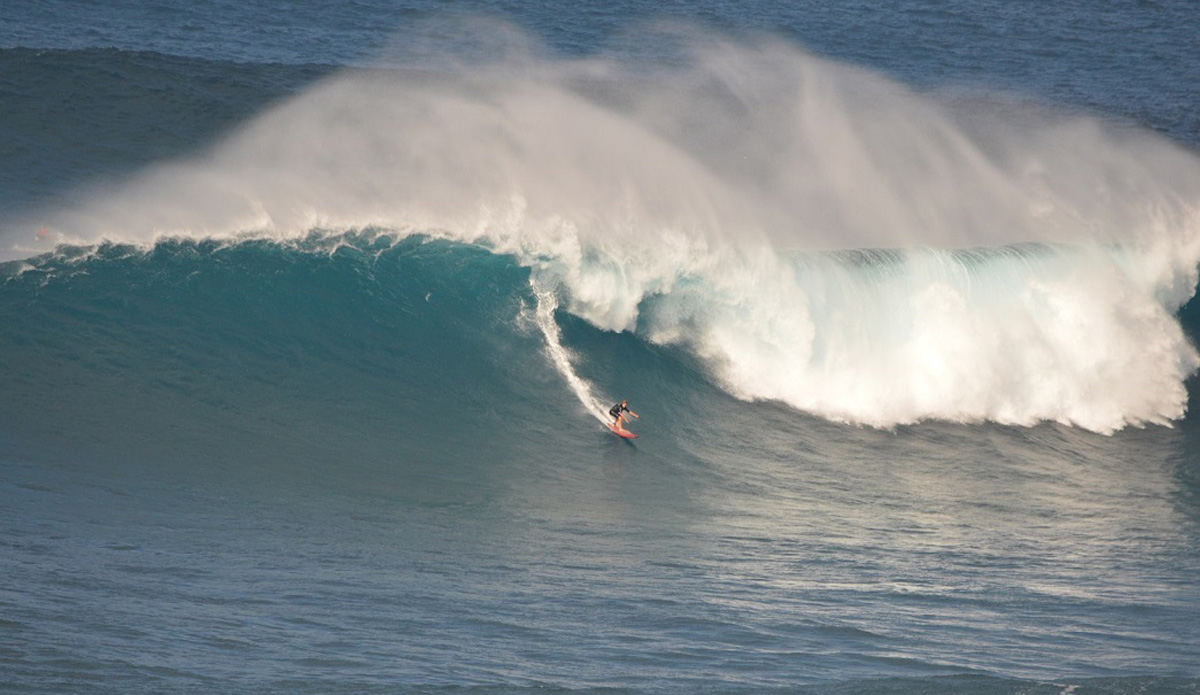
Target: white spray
543 315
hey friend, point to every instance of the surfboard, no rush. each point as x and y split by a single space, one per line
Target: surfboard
622 432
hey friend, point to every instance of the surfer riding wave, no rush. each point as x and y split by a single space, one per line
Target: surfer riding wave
617 412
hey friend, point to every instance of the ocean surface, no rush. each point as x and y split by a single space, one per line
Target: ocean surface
311 313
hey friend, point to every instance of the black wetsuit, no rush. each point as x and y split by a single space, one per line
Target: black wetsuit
617 409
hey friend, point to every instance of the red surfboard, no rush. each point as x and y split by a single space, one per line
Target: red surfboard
622 432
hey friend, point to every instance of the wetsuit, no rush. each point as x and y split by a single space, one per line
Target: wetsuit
616 411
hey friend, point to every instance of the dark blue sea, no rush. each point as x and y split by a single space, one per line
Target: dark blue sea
311 314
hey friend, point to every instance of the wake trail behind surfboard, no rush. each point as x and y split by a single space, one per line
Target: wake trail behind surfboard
547 302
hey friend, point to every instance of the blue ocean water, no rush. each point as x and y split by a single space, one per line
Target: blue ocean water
311 314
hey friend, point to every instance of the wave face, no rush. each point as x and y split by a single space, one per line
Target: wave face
1015 335
259 336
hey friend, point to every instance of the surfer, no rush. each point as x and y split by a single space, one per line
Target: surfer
617 412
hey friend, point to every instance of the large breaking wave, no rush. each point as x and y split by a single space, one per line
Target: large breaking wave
814 233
